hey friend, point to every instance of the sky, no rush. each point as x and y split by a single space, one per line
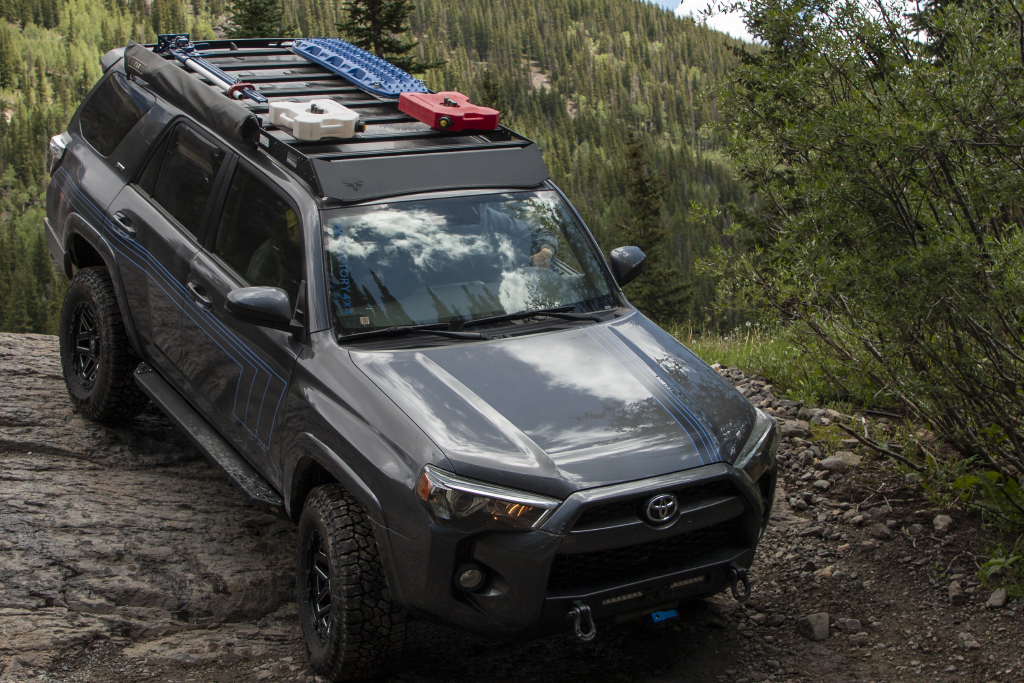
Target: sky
726 23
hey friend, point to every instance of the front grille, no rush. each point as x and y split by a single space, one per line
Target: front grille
601 568
632 508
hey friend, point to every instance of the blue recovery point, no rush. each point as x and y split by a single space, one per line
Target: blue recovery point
658 617
367 71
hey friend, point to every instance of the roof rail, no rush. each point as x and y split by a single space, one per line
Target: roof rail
396 154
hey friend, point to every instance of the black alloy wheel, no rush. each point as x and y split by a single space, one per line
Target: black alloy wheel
85 354
352 629
96 357
318 579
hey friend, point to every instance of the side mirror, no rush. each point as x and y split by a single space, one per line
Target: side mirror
263 306
627 263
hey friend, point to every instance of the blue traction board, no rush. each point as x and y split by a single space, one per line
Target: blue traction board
367 71
657 617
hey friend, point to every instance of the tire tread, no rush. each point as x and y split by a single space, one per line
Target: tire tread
369 630
117 398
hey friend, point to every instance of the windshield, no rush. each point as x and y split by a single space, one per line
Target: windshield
457 259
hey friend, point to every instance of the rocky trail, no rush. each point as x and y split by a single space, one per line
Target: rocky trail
124 557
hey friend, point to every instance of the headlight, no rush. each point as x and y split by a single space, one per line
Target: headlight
762 444
468 505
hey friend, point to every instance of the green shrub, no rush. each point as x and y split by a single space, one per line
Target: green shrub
887 236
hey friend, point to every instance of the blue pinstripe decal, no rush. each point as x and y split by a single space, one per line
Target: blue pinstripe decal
659 392
245 358
635 357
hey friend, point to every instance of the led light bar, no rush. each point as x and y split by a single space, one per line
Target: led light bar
688 582
621 598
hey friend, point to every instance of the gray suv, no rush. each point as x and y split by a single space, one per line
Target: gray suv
407 342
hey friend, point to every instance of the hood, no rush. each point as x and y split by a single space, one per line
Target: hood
558 412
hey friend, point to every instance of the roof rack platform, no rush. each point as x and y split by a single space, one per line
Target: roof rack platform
394 155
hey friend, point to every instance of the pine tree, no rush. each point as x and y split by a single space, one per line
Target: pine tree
257 19
381 27
660 291
10 60
168 16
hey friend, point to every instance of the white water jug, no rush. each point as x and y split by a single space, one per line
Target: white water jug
314 120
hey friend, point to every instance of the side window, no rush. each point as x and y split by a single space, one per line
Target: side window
112 111
180 176
259 235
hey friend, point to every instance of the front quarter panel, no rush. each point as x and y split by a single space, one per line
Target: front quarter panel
340 419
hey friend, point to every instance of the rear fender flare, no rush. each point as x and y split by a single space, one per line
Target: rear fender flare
78 226
312 451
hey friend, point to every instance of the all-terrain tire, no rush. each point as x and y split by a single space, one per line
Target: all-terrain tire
352 629
95 355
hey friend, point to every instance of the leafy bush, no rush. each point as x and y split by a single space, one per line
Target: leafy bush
887 236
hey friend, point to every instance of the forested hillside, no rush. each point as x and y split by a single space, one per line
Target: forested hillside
577 75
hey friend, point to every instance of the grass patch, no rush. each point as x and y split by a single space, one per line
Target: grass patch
766 352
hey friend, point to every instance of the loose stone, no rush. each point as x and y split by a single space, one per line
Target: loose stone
880 531
815 626
956 594
942 524
997 599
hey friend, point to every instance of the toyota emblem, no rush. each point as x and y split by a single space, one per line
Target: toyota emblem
662 509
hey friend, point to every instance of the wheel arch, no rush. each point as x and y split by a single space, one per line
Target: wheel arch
316 464
86 248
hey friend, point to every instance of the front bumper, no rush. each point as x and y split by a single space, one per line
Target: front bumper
595 549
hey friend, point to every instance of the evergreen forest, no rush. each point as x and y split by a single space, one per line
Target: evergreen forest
582 77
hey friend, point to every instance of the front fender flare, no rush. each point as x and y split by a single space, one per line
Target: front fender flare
315 450
77 225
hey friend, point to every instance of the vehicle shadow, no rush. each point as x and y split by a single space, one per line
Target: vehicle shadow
685 649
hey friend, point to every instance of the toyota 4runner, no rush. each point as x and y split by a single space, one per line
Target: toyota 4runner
408 343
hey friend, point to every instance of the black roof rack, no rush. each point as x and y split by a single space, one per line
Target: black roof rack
396 154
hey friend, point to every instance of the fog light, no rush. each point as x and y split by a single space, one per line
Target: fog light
469 577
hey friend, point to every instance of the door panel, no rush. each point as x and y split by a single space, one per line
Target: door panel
158 222
238 373
155 258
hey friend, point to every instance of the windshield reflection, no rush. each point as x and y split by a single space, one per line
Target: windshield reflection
456 259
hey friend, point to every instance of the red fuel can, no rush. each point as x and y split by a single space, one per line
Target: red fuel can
447 111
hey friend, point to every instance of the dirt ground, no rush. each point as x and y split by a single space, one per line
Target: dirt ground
123 557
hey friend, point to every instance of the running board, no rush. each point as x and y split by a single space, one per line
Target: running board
253 486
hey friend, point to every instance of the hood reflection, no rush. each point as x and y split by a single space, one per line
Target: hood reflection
592 405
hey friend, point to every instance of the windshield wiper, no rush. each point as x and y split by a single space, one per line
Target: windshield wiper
561 312
437 329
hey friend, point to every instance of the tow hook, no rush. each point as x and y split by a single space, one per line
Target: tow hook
737 575
581 618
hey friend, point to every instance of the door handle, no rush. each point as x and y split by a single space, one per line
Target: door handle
124 224
199 294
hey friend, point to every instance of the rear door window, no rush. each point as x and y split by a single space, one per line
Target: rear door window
112 111
181 174
260 237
